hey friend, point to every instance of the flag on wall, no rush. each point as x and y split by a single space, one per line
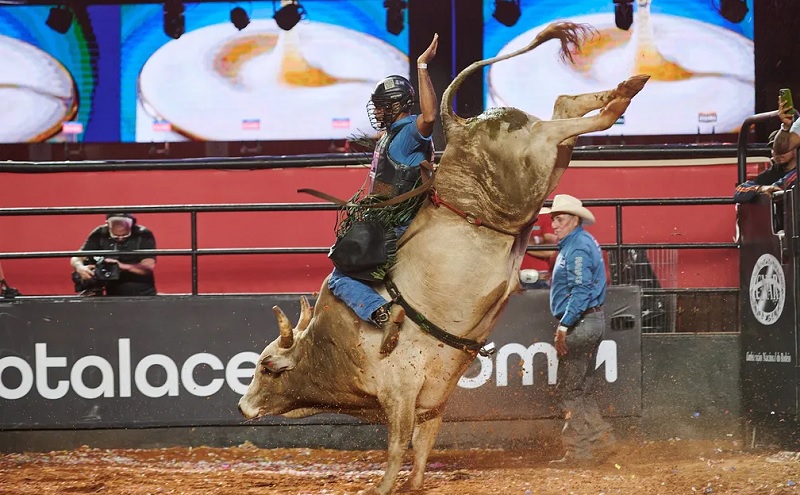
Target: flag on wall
251 124
340 123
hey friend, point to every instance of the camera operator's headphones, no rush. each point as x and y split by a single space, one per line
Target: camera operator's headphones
121 216
126 217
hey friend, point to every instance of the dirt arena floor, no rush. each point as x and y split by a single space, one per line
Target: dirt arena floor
648 468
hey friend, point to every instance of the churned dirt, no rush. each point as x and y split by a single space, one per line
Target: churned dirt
646 468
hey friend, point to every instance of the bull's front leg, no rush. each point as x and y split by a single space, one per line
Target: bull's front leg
400 418
424 438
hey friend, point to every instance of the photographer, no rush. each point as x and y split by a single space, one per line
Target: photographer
117 275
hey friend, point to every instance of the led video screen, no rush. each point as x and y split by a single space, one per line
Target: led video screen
701 66
217 83
50 82
115 76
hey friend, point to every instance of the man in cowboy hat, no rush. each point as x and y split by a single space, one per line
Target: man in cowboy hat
577 294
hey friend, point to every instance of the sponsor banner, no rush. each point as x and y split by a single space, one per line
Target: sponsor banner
768 306
518 381
105 362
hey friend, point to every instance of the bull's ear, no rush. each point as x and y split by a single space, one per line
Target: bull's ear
287 337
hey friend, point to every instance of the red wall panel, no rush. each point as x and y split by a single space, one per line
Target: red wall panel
304 273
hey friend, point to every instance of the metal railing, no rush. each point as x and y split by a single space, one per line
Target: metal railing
619 247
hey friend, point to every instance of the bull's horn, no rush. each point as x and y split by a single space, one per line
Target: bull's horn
306 312
287 337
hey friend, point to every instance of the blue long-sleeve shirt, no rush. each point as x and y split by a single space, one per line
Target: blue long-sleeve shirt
578 281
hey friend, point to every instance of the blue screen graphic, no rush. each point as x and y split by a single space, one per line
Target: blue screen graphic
262 83
115 76
50 81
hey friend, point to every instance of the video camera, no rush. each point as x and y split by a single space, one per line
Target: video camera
8 292
104 271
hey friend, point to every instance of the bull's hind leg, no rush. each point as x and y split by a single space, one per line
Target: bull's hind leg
571 107
424 437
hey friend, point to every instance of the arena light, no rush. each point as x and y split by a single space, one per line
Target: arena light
507 12
174 22
395 18
623 14
239 18
733 10
59 19
289 14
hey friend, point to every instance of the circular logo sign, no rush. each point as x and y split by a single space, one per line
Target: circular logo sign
767 290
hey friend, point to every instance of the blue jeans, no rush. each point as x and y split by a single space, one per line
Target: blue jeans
576 384
360 297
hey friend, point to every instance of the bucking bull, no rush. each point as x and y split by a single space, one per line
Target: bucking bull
456 265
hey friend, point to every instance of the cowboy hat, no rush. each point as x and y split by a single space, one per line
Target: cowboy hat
564 203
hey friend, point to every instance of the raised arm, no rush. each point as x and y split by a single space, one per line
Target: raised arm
427 96
788 139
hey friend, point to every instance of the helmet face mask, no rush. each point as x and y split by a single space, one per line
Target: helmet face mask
391 97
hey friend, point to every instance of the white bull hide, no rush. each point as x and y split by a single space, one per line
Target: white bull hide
500 167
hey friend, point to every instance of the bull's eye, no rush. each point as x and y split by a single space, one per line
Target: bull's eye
265 366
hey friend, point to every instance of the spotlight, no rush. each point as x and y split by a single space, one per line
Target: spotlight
395 19
506 12
59 19
239 18
174 22
289 15
623 14
733 10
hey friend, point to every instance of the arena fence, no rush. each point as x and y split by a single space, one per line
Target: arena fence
675 397
650 266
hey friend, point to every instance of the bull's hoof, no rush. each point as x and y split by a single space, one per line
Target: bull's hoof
630 87
409 487
391 329
391 335
371 491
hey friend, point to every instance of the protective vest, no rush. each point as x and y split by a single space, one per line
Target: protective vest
390 177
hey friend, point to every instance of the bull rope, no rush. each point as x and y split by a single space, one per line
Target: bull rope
466 345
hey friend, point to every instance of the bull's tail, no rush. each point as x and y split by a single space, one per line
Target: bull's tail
570 34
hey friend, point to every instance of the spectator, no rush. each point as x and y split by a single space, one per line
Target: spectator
117 275
781 174
577 294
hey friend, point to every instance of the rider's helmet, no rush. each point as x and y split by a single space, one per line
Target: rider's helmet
391 97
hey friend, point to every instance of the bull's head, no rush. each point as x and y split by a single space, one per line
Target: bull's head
277 358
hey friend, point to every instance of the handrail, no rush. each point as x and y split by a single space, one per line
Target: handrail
199 208
595 152
194 252
251 207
